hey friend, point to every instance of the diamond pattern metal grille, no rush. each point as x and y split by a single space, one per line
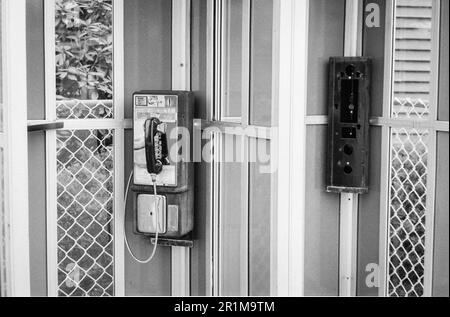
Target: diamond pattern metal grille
407 108
84 109
407 223
85 213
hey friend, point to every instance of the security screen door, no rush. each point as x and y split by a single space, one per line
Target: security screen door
84 160
410 141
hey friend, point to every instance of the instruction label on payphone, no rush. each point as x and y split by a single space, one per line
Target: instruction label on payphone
164 108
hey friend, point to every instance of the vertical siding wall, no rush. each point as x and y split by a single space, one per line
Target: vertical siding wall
202 170
322 209
369 206
148 60
36 147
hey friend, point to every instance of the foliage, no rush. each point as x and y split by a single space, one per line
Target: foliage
84 49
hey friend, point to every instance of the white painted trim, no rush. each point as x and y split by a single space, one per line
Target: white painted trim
439 126
51 165
245 200
386 152
181 80
290 96
215 221
180 269
238 129
349 207
119 147
16 155
209 235
432 152
348 245
353 28
245 120
316 120
181 44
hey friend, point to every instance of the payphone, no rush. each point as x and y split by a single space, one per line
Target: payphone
348 141
163 176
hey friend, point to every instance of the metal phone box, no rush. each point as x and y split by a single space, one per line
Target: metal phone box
174 111
348 138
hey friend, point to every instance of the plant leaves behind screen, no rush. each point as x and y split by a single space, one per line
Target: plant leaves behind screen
84 49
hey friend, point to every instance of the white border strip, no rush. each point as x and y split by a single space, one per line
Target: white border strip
181 80
290 93
16 155
51 165
439 126
386 151
119 147
432 153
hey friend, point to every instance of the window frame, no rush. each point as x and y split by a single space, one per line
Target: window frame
291 19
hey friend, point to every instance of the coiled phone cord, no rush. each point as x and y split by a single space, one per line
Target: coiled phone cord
156 226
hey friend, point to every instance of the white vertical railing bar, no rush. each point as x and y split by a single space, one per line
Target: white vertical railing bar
432 151
274 151
299 86
5 267
210 115
119 147
348 244
216 237
245 181
386 151
16 155
290 91
181 80
51 165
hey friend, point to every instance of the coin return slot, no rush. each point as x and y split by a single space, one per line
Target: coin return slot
348 169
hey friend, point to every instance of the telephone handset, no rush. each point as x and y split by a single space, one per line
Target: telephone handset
156 146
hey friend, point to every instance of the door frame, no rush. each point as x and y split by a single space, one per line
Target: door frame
14 140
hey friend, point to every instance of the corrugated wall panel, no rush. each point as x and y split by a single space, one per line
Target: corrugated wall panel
322 209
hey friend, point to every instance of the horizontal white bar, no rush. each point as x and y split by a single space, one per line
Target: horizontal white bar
316 120
91 124
440 126
236 129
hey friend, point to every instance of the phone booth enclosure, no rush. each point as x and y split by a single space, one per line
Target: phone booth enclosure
349 126
175 183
